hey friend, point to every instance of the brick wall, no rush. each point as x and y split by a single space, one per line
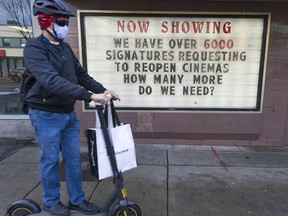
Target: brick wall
268 128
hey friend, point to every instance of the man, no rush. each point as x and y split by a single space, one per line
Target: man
59 80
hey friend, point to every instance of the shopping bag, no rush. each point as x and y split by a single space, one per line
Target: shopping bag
123 144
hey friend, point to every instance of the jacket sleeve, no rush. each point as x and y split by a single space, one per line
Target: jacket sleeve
85 79
37 62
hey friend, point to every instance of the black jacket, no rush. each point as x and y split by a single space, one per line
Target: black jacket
60 78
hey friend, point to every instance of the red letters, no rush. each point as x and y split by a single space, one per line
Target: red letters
184 27
196 27
132 26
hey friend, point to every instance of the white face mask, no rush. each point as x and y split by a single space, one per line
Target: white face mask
61 31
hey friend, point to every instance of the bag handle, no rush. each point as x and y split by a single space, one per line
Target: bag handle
108 142
109 110
115 118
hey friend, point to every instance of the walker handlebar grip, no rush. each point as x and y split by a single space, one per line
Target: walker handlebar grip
93 104
110 97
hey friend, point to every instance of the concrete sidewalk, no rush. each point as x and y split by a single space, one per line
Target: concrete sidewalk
174 180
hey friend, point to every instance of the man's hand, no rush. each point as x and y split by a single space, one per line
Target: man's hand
103 96
113 93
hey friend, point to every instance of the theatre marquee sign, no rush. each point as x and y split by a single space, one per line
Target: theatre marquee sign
172 61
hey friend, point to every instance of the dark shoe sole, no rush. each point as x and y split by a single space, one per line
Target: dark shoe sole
52 214
84 212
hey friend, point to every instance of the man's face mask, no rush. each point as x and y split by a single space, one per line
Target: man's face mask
61 28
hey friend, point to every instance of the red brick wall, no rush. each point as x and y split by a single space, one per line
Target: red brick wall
268 128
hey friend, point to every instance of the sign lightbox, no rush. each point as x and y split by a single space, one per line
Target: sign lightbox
172 61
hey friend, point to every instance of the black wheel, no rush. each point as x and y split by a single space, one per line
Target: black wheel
20 210
133 209
23 208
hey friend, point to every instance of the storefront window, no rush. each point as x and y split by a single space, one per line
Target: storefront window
23 42
14 33
11 74
15 42
6 42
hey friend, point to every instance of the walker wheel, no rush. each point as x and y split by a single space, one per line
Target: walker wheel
23 208
133 209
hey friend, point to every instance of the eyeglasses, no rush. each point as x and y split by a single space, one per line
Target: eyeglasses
62 22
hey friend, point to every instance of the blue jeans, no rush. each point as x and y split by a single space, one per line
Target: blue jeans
54 133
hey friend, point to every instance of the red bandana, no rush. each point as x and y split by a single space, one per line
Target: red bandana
45 20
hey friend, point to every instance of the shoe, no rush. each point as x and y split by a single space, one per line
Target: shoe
84 207
57 210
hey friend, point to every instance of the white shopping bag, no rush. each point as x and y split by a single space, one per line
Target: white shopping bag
124 147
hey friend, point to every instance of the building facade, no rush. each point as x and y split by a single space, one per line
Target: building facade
265 128
264 125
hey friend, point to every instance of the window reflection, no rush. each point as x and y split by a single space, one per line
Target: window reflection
11 71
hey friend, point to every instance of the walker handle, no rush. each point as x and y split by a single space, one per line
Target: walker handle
110 97
101 102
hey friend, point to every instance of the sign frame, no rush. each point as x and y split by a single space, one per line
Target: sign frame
266 17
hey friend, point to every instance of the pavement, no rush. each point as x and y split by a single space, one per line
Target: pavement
170 180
